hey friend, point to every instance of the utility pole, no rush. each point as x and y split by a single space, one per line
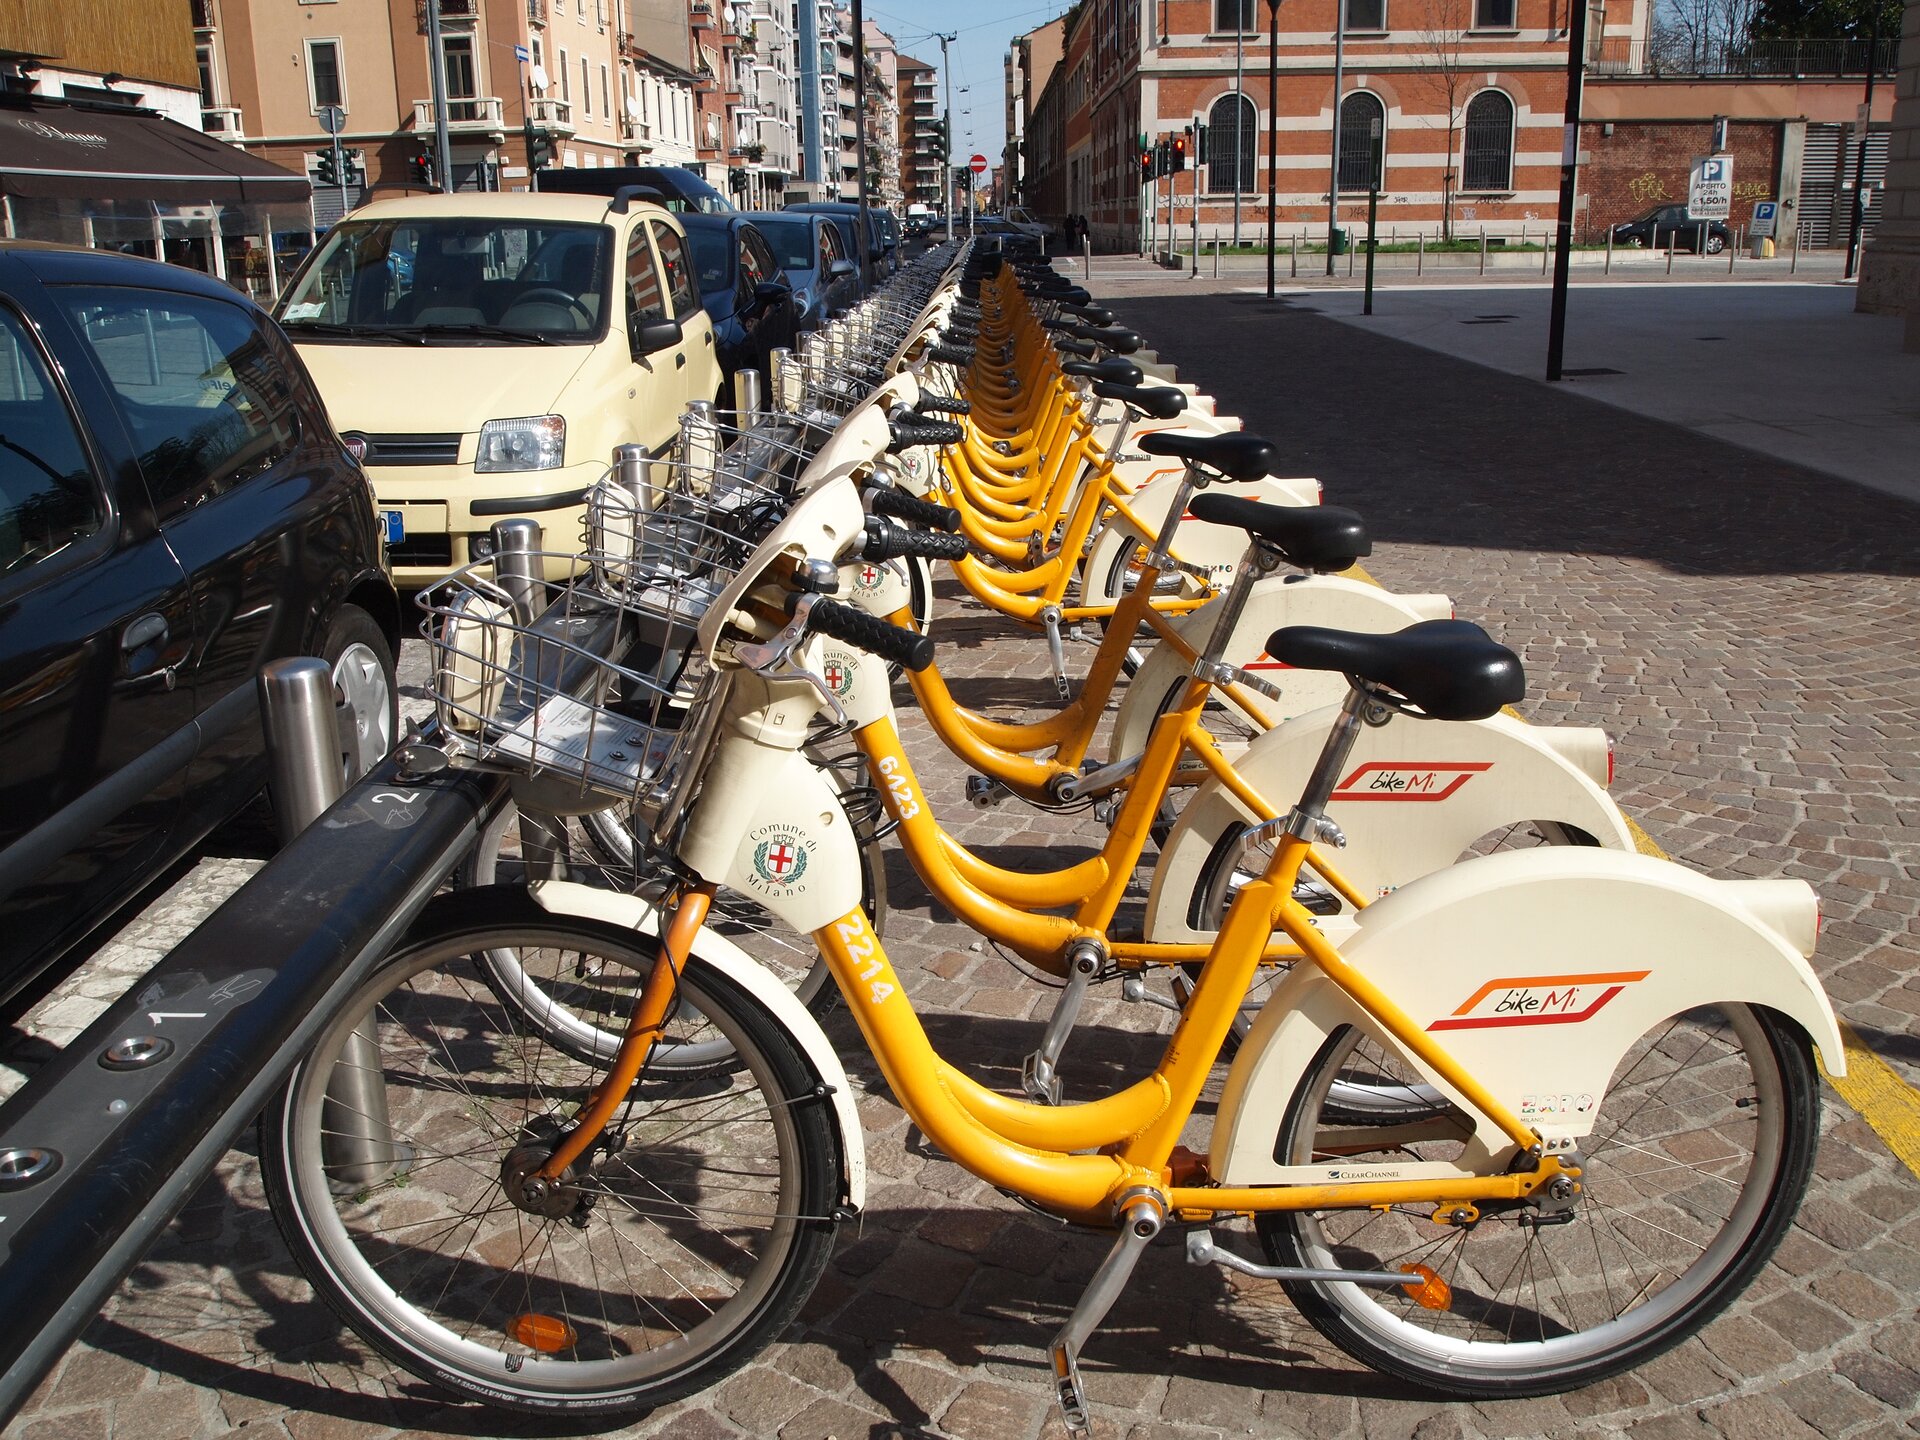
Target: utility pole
1239 107
1860 165
437 74
1569 174
946 133
860 138
1339 80
1273 130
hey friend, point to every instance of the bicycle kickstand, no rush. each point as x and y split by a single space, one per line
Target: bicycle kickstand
1141 1216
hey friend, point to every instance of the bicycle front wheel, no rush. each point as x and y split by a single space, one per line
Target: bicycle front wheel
1695 1166
665 1258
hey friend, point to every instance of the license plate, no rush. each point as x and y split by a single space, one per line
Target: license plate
396 525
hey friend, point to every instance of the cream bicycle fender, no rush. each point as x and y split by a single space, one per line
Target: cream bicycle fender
630 912
1537 970
1415 796
1217 548
1278 600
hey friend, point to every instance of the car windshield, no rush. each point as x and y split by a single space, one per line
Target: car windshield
459 278
792 242
712 257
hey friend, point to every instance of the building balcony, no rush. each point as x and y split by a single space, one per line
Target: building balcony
1756 59
554 116
536 12
467 115
449 10
223 122
203 16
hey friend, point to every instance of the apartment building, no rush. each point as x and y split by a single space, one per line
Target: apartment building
920 150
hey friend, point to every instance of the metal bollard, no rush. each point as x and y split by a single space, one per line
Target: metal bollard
746 395
1607 268
1216 255
1420 254
1295 272
1546 255
1732 250
306 776
517 568
1086 257
1483 249
1671 235
1793 263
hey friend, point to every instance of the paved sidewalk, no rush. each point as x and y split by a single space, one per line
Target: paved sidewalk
1750 633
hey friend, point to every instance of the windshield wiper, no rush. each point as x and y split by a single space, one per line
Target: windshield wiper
326 327
487 332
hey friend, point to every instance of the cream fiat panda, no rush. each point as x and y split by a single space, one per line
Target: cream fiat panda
484 354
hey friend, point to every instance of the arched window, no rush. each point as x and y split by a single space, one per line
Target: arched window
1489 157
1233 129
1362 155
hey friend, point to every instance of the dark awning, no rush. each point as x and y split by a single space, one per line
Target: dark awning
52 150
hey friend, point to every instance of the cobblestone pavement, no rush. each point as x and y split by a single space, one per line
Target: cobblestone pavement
1749 632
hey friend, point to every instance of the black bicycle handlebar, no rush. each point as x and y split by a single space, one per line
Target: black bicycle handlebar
932 404
889 542
871 633
899 505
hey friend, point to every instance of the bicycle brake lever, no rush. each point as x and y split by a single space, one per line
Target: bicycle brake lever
773 659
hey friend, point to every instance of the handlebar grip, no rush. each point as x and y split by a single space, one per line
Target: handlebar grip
932 404
899 505
909 433
950 355
889 542
871 633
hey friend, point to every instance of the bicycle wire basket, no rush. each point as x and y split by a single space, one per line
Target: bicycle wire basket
586 691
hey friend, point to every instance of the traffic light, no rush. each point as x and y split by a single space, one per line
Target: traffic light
420 170
1200 144
539 148
326 173
1177 151
1147 173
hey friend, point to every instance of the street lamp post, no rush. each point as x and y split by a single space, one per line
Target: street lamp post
1859 219
1339 79
1273 129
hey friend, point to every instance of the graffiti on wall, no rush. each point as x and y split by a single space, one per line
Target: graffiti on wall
1648 189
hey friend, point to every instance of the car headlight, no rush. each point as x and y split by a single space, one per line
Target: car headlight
535 442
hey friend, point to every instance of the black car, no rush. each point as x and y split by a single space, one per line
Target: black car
678 187
1671 222
744 294
175 510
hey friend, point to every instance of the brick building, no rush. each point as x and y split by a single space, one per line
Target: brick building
1890 269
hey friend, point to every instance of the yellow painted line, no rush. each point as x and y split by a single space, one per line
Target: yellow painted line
1878 1093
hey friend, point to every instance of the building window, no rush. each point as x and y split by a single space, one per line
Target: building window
606 102
566 90
1494 14
586 89
1232 15
461 87
1489 157
203 54
1367 14
1361 168
327 84
1233 129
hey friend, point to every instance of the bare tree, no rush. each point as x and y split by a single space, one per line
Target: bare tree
1693 34
1445 72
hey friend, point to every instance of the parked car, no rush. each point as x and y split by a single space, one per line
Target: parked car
749 301
530 335
1022 219
882 240
1672 222
175 510
1010 236
680 189
809 248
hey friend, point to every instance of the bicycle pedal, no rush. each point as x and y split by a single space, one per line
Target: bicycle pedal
1068 1391
984 793
1041 1089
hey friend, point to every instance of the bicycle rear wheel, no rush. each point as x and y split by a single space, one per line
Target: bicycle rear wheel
666 1258
1695 1166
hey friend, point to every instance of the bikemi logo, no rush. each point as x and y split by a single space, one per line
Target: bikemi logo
780 858
1408 780
1538 1000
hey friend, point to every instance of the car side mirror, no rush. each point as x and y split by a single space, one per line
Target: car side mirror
839 268
650 336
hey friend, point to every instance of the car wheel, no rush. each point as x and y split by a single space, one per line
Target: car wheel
366 696
1715 244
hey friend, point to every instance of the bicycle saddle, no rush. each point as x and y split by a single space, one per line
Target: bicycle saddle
1092 314
1161 402
1236 455
1323 538
1114 371
1450 669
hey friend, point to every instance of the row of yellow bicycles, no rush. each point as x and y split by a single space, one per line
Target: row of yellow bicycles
1501 1105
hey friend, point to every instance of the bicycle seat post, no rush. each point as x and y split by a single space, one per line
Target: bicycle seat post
1191 479
1260 562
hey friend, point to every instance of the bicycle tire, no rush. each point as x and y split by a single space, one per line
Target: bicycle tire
1647 1225
715 1194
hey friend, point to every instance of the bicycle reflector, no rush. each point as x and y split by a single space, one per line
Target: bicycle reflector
549 1334
1428 1290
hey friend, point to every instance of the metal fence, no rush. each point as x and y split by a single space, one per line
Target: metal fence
1757 59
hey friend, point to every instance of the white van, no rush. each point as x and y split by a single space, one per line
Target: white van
484 354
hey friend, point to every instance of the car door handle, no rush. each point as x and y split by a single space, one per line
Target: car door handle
679 360
148 629
709 339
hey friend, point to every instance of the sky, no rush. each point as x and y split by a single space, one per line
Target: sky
984 29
